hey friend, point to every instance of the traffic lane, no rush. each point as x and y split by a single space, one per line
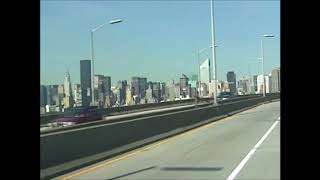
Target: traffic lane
211 152
265 162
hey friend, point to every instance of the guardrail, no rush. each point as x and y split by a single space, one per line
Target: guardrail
64 151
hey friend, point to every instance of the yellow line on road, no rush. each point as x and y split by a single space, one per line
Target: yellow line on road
133 152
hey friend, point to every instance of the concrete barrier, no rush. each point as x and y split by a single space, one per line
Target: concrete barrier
69 146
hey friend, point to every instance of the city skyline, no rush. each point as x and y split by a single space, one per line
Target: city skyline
56 98
115 83
151 45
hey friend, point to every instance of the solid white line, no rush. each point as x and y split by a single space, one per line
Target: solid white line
251 152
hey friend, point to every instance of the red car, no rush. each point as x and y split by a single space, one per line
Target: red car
79 115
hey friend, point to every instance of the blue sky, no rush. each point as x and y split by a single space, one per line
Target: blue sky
156 38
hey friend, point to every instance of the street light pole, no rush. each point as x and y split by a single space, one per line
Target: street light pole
197 57
92 64
92 54
262 62
262 66
213 53
199 78
250 79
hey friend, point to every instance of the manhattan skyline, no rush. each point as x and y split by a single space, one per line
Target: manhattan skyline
156 39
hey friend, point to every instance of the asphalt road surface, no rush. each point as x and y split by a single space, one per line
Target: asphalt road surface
243 146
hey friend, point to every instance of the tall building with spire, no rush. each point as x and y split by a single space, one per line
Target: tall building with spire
68 99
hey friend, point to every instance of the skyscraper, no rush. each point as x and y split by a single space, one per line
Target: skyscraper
52 95
122 88
231 78
49 96
117 94
267 83
177 90
193 92
249 85
85 78
255 83
61 94
143 86
68 99
225 86
135 85
107 83
243 86
43 96
128 95
156 92
150 83
162 91
188 92
211 88
260 84
77 94
97 81
183 85
100 89
55 95
205 73
139 86
204 89
171 91
149 95
276 80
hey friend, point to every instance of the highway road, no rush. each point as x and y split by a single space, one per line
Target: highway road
243 146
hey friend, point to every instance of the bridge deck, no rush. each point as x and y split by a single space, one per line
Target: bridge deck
213 151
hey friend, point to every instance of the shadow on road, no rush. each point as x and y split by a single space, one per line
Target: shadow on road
192 168
134 172
185 168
